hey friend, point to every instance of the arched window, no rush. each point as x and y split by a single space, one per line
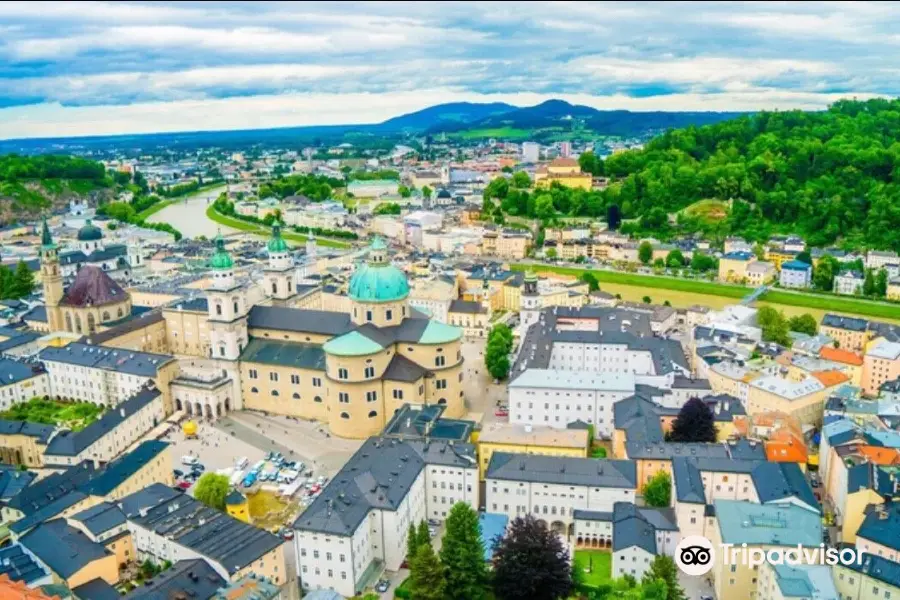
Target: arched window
105 316
345 415
77 323
69 323
119 312
373 414
254 390
236 309
275 392
317 399
296 396
442 401
274 287
219 309
91 323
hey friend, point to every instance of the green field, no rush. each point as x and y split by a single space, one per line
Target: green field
707 210
495 132
221 219
73 415
599 562
647 281
685 292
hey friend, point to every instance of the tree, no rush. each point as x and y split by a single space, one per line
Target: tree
663 568
869 283
427 191
881 283
550 253
805 257
659 263
404 191
694 423
212 489
613 218
645 252
590 279
497 349
530 562
675 259
647 300
590 163
774 326
824 272
805 323
412 542
702 262
658 491
520 180
22 281
462 554
422 535
426 578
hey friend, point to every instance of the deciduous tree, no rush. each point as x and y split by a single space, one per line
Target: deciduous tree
658 491
212 489
694 423
530 562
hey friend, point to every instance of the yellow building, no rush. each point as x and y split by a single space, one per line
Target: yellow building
874 579
893 290
82 559
850 333
779 256
353 370
796 394
565 171
733 266
186 327
23 443
528 439
237 506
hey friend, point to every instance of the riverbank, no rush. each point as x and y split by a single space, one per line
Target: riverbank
214 215
683 293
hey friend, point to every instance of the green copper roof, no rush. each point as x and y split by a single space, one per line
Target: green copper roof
277 243
440 333
378 280
89 232
46 238
352 344
221 260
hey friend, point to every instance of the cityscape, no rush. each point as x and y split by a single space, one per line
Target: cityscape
633 336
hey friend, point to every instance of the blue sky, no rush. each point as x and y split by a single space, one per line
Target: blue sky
86 68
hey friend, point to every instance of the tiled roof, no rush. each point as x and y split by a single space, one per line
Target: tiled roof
93 287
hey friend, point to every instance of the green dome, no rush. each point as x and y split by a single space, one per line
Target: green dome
277 243
89 232
221 260
378 280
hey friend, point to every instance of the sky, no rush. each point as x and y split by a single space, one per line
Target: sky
97 68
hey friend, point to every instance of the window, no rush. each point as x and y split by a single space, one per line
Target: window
442 401
219 309
439 361
317 381
345 415
274 392
388 315
370 372
254 374
318 399
368 315
274 287
372 414
296 396
398 394
273 376
236 310
371 396
295 379
343 374
440 384
343 397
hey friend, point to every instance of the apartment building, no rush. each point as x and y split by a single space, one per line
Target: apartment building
877 578
21 381
552 488
850 333
529 439
362 516
881 364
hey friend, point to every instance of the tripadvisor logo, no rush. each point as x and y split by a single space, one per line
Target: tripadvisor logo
695 555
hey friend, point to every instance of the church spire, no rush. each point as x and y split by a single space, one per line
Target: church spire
46 238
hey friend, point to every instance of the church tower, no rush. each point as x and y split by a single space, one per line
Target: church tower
51 279
279 274
530 303
228 307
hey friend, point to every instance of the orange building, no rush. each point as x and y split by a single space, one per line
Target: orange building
17 590
852 363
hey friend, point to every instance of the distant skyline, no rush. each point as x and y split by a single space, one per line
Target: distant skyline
101 68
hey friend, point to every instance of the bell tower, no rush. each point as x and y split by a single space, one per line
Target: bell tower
530 303
227 307
279 274
51 279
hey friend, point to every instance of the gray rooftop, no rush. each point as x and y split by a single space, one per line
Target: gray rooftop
741 449
285 354
143 364
63 548
193 578
100 518
378 476
321 322
562 470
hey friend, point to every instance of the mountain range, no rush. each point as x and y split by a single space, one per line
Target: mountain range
553 118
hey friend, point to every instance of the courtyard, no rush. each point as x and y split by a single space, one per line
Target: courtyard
595 564
71 415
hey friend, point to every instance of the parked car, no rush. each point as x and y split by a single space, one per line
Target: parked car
184 485
382 586
198 467
434 522
501 412
187 459
178 473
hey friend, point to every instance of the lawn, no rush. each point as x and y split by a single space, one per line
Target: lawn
74 415
600 564
831 303
707 210
495 132
221 219
269 511
647 281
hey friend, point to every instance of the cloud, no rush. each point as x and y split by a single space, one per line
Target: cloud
72 62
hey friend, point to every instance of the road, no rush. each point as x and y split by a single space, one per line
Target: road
189 215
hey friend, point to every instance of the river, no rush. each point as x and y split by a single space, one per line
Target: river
188 215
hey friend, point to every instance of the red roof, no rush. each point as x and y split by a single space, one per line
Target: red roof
93 287
841 356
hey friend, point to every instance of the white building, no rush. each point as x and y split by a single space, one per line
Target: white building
531 152
99 374
849 283
109 436
20 382
879 259
361 518
552 488
556 398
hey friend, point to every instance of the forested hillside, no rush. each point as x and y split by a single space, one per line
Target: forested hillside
826 175
31 184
